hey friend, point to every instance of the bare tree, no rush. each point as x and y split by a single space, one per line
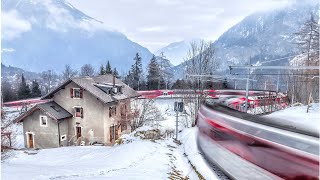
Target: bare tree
68 72
87 70
146 114
307 40
200 60
49 80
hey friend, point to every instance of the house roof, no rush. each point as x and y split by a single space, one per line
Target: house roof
51 108
90 84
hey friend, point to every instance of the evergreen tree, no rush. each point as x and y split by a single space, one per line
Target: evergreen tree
35 90
225 84
115 73
136 71
108 68
166 71
24 90
102 71
153 74
129 79
8 93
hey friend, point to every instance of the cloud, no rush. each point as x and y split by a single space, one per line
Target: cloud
7 50
152 29
155 22
13 25
60 19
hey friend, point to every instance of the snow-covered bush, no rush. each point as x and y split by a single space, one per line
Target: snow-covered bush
147 114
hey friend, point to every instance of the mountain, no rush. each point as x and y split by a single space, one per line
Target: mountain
39 35
261 37
176 52
12 76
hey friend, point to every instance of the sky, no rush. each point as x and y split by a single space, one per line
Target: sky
157 23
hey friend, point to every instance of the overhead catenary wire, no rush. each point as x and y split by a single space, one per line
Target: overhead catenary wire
276 67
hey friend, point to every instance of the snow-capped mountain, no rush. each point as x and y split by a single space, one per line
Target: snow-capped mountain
261 37
47 34
176 52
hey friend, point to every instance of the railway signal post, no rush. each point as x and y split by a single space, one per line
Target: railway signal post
178 107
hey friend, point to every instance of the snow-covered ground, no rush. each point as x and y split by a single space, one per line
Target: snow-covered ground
298 115
16 129
140 159
136 159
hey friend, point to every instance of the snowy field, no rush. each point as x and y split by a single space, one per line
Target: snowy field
137 159
134 159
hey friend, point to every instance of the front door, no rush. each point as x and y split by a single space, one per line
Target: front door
30 140
78 130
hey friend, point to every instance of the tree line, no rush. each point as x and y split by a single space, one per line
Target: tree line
24 91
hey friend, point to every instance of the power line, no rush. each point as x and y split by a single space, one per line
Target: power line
274 67
287 57
236 74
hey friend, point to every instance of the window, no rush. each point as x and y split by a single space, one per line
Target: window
112 133
123 125
78 112
76 92
115 90
63 137
112 111
43 121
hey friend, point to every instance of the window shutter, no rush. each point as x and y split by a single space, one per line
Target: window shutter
81 93
111 134
81 112
71 92
116 136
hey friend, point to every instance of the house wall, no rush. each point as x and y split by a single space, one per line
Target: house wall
95 124
115 120
44 137
64 129
93 114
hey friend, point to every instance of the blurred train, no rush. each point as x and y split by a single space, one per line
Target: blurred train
24 102
248 146
232 98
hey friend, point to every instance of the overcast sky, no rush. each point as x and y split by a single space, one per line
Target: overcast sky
157 23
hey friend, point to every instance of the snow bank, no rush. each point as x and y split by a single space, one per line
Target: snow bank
298 115
189 147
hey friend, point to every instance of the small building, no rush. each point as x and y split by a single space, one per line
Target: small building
83 110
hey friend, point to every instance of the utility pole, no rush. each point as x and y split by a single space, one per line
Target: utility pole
265 84
278 81
247 93
176 125
247 89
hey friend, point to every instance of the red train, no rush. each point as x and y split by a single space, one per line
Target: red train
23 102
247 146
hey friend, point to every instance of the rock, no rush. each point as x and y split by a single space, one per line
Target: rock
153 134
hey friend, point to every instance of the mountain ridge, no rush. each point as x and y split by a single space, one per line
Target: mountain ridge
55 33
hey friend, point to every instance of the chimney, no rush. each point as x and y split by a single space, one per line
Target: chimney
114 80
